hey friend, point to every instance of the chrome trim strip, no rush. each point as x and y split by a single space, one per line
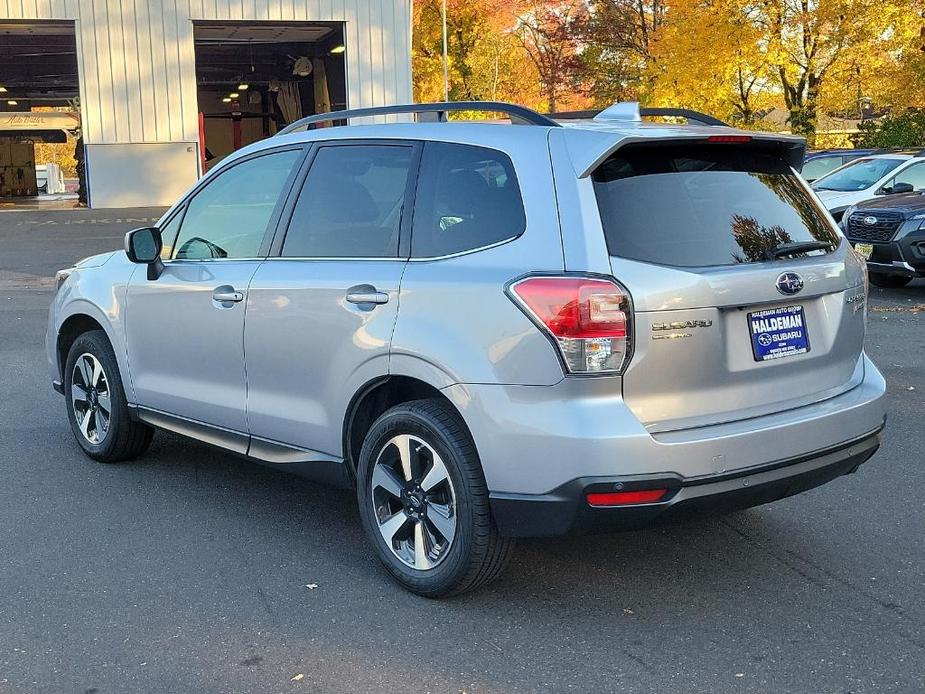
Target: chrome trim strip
275 452
896 264
468 251
390 258
207 433
307 257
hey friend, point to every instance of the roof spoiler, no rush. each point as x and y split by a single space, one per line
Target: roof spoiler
588 149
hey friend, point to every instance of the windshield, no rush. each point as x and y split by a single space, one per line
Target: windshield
858 175
696 206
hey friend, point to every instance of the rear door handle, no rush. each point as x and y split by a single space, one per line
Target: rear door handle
366 294
226 294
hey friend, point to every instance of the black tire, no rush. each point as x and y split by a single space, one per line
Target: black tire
477 553
124 438
880 279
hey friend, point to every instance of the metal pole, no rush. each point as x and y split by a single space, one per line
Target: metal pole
446 65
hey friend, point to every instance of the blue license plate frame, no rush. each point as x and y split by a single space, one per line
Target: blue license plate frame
777 333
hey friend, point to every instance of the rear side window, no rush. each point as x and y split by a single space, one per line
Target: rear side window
694 206
467 198
351 203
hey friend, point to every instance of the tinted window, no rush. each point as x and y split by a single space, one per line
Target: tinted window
229 217
169 235
914 175
857 175
696 206
820 166
467 198
351 203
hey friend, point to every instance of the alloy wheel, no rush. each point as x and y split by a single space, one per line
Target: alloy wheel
414 502
90 398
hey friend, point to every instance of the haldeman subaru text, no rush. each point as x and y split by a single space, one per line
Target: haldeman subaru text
488 330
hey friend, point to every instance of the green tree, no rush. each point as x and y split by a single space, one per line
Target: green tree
906 129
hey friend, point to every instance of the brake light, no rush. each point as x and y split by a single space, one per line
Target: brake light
729 138
641 496
587 317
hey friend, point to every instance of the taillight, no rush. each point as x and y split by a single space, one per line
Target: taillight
587 317
730 139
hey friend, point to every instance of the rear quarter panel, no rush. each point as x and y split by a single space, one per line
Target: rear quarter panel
455 323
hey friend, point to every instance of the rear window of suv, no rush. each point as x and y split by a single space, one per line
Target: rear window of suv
703 205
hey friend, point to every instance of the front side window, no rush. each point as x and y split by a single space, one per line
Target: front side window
468 197
914 176
696 206
169 235
857 175
351 204
228 218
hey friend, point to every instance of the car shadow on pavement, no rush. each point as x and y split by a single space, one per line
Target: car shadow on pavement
314 519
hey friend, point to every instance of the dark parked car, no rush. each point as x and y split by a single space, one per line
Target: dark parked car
890 233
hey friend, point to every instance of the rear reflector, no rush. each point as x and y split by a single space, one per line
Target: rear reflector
640 496
729 138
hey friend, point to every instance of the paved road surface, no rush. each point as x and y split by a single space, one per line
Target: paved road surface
192 571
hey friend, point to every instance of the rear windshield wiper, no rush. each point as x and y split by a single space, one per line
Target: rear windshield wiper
795 247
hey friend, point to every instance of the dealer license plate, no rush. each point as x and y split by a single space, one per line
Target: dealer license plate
778 332
865 250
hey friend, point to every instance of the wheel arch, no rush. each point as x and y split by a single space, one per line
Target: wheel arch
73 327
81 317
377 396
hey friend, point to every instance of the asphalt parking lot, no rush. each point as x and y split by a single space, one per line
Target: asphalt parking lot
194 571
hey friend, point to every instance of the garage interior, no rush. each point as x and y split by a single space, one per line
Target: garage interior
255 78
38 72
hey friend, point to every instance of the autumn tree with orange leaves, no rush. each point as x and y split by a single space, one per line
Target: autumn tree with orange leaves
736 59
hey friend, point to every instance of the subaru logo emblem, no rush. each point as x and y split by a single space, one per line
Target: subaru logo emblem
789 283
870 221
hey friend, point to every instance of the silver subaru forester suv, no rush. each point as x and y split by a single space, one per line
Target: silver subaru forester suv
488 330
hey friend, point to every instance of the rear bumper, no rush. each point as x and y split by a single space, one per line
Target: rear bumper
536 440
566 511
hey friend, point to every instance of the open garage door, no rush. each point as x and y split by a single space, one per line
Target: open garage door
40 150
254 78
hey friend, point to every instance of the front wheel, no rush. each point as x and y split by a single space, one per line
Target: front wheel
424 503
889 281
97 408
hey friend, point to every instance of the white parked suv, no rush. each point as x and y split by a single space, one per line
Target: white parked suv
868 177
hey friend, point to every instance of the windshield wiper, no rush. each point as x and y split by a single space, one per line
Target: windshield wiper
795 247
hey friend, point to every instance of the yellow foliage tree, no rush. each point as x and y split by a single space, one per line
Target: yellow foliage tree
709 56
811 43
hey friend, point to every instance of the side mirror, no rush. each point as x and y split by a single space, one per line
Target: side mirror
143 246
902 188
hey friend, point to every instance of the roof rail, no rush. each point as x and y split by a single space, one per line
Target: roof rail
516 113
615 114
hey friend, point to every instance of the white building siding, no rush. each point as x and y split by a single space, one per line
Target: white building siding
137 63
137 71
